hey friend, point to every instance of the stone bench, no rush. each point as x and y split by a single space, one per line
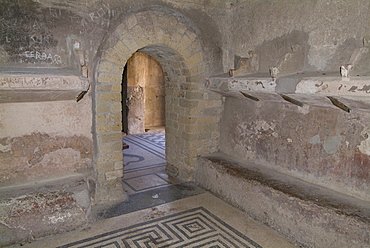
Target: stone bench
27 212
310 215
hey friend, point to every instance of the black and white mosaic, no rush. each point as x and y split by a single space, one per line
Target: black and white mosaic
192 228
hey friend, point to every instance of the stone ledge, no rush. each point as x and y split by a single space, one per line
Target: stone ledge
40 84
310 215
40 209
325 89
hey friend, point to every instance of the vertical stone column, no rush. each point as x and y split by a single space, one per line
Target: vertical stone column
109 157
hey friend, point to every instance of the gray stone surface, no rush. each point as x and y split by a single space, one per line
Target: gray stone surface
310 215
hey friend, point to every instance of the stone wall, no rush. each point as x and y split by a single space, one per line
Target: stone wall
328 31
46 155
323 146
84 38
316 142
47 134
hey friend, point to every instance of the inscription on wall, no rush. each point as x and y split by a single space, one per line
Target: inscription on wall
25 33
34 33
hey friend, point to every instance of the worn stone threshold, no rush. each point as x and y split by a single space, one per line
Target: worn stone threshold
294 187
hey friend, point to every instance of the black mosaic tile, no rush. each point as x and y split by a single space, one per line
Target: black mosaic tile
196 227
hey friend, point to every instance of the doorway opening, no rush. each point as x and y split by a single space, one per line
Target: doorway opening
143 95
143 124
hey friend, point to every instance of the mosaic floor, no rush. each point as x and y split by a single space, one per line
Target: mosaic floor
191 228
164 212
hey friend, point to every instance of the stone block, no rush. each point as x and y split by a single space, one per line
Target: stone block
212 111
197 69
210 104
122 50
188 120
115 107
102 166
176 38
310 215
131 44
131 22
193 111
115 57
194 60
189 136
105 118
192 86
188 103
117 88
208 120
102 108
107 128
103 87
101 118
110 137
111 158
119 164
106 66
204 136
26 213
194 95
209 95
113 175
110 78
110 191
108 147
110 97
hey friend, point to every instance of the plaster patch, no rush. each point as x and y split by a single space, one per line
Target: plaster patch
262 125
61 157
315 140
305 109
365 144
59 218
6 148
332 144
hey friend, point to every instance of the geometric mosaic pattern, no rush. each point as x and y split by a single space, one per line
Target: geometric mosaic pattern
192 228
144 161
145 182
152 142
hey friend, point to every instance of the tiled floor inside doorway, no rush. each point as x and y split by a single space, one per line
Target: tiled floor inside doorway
164 212
145 179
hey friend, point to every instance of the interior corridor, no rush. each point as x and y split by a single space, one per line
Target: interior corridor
165 212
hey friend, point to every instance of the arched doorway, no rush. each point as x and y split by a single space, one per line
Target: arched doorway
166 36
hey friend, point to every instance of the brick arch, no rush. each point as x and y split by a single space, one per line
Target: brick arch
170 39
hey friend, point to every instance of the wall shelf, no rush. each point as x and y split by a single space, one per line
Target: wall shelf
325 89
40 84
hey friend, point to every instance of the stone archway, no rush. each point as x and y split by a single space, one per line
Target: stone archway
191 126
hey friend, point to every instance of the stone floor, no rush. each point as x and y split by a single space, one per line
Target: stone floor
165 212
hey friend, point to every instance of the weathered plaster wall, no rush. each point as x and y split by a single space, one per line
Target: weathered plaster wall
42 140
329 30
42 33
323 146
320 145
45 140
191 40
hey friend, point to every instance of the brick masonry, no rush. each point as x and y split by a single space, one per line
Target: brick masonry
192 116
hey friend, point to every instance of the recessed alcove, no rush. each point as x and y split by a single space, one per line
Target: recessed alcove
322 89
40 84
